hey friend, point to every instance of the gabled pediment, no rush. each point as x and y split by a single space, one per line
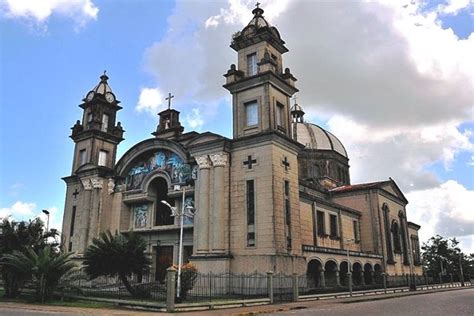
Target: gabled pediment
392 188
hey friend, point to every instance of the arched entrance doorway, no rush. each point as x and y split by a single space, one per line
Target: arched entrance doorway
330 273
343 273
313 274
368 273
158 190
357 273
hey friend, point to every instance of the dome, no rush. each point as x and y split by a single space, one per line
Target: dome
102 87
313 136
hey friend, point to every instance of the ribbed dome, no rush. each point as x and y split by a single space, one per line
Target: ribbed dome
315 137
102 87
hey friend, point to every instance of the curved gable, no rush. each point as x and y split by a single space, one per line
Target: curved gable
154 154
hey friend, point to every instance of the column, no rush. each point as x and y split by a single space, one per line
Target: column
202 227
219 210
338 281
322 279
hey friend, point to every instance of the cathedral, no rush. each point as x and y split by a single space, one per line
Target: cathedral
276 197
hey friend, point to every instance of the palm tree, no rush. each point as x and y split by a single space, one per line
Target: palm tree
20 236
117 255
45 267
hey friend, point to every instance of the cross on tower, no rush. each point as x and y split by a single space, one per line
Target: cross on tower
285 163
75 193
257 4
249 162
294 98
169 100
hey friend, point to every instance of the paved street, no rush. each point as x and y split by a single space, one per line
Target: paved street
459 302
455 302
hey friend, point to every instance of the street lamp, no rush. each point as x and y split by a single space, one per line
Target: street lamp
460 268
349 273
412 270
188 211
47 223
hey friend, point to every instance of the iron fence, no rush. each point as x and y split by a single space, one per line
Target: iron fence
210 286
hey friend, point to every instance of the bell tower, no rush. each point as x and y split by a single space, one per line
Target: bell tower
96 137
260 89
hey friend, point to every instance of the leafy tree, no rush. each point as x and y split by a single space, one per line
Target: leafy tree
44 267
22 236
117 255
442 255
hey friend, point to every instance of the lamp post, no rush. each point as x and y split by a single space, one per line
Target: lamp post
349 269
460 268
180 214
47 223
412 271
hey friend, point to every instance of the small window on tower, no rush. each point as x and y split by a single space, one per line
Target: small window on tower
252 64
333 221
105 122
103 158
82 157
280 117
251 113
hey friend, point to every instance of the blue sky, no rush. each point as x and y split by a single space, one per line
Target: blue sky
51 57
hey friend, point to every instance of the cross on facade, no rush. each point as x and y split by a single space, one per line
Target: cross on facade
285 163
169 100
249 162
75 193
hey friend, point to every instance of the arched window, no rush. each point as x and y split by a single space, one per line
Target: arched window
388 235
397 245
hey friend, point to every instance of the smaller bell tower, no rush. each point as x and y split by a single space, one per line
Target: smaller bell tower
260 88
169 126
90 185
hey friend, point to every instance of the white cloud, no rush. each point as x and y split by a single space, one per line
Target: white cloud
194 119
81 11
444 210
452 7
150 100
18 209
23 211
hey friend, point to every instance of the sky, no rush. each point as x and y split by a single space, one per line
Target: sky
394 80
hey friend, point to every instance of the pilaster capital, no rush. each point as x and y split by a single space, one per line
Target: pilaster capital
96 182
203 162
111 186
219 160
86 183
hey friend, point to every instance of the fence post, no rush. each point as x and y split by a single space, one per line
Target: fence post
170 288
384 278
295 288
270 285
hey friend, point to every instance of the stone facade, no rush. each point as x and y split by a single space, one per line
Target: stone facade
277 197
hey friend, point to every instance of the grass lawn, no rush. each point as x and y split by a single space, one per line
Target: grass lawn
27 298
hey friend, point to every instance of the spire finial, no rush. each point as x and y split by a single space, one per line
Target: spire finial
257 11
104 76
294 98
